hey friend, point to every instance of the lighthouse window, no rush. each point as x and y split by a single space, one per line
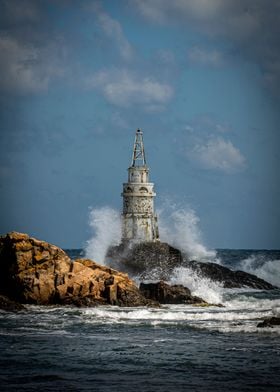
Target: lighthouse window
143 190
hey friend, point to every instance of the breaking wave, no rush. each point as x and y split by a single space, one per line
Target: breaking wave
105 223
202 287
179 226
258 265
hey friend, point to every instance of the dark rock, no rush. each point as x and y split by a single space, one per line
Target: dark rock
227 277
166 294
151 260
269 322
33 271
10 305
156 261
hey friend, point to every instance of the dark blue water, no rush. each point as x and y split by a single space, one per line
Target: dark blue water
175 348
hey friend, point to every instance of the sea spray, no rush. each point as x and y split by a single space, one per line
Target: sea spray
179 227
202 287
257 264
106 225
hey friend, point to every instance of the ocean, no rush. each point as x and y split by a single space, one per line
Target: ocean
172 348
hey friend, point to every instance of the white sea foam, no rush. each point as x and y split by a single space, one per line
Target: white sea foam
268 270
252 303
232 319
106 225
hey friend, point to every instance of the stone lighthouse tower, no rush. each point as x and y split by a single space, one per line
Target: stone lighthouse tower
139 222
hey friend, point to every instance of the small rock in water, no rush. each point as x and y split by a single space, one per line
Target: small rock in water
166 294
269 322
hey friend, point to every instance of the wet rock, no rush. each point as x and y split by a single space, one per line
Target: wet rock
157 260
269 322
166 294
33 271
148 260
227 277
10 305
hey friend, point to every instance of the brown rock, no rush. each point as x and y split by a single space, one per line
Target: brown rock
33 271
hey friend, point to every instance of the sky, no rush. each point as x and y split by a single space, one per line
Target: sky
200 78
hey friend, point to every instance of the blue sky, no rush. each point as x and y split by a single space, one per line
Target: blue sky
200 78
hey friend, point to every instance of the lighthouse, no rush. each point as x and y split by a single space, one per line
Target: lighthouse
139 221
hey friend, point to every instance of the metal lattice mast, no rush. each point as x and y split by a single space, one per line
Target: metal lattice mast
138 155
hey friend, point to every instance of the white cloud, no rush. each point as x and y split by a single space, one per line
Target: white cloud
233 16
166 11
217 154
124 88
251 27
113 29
24 68
213 58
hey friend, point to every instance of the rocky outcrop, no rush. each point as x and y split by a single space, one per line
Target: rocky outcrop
227 277
33 271
166 294
10 305
269 322
156 261
148 260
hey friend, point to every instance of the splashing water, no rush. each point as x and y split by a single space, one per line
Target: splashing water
268 270
106 225
179 227
205 288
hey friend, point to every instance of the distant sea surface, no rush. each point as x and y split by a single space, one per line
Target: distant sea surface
173 348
